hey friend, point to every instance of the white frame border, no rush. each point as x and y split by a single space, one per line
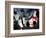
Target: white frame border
25 31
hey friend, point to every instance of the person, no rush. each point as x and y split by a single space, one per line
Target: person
33 20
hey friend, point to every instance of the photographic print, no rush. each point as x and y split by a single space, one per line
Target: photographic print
25 18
